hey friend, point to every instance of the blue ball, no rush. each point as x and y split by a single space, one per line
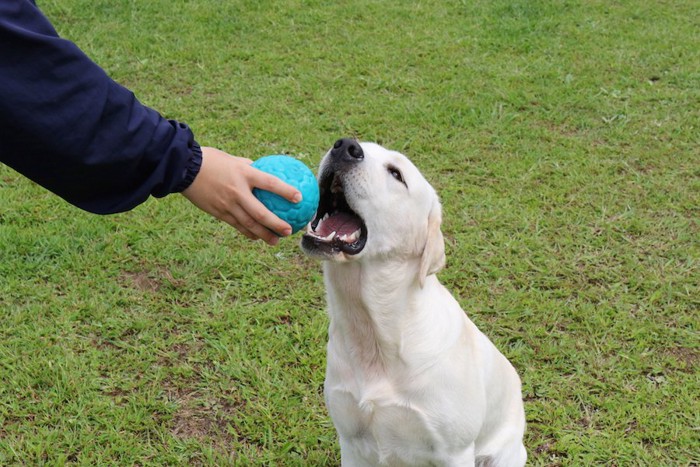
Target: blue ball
297 174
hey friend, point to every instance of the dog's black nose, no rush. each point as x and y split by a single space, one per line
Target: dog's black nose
347 149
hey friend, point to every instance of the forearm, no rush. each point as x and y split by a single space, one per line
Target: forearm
66 125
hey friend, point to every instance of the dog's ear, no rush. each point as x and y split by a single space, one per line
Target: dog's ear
433 257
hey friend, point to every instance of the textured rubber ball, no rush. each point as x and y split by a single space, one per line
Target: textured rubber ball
297 174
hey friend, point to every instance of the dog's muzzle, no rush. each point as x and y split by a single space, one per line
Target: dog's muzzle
336 227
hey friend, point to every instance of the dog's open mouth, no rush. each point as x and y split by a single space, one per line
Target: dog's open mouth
336 227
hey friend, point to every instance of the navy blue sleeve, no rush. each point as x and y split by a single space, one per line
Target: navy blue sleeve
69 127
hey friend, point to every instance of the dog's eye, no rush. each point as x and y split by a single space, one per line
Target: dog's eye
396 174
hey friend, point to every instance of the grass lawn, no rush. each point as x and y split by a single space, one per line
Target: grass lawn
563 138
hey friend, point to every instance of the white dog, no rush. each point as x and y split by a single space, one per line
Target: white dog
410 380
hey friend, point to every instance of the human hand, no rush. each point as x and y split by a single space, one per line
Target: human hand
224 188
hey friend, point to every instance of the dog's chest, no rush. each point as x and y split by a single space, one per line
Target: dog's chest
385 426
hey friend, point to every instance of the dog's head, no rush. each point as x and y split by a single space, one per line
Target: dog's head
375 203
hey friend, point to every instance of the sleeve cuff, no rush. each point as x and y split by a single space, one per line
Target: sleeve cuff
192 167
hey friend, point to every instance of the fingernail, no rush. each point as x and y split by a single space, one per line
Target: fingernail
297 197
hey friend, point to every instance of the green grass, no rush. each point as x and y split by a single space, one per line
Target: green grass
562 137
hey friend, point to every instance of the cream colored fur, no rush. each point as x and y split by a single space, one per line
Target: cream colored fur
410 380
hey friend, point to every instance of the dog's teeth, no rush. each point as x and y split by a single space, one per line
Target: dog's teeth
344 238
320 222
355 235
330 236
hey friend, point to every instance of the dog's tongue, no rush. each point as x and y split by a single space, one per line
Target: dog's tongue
342 223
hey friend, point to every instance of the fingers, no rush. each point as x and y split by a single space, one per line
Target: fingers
267 182
253 215
239 222
224 188
259 220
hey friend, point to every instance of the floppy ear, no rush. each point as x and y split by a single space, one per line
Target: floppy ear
433 257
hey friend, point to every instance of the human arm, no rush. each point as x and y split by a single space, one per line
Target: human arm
69 127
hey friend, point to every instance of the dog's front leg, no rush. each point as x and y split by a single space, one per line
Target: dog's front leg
350 456
465 458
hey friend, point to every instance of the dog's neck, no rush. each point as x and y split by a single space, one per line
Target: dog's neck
374 309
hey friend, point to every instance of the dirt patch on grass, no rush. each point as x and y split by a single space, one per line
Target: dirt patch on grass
203 419
149 281
140 281
548 453
688 358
